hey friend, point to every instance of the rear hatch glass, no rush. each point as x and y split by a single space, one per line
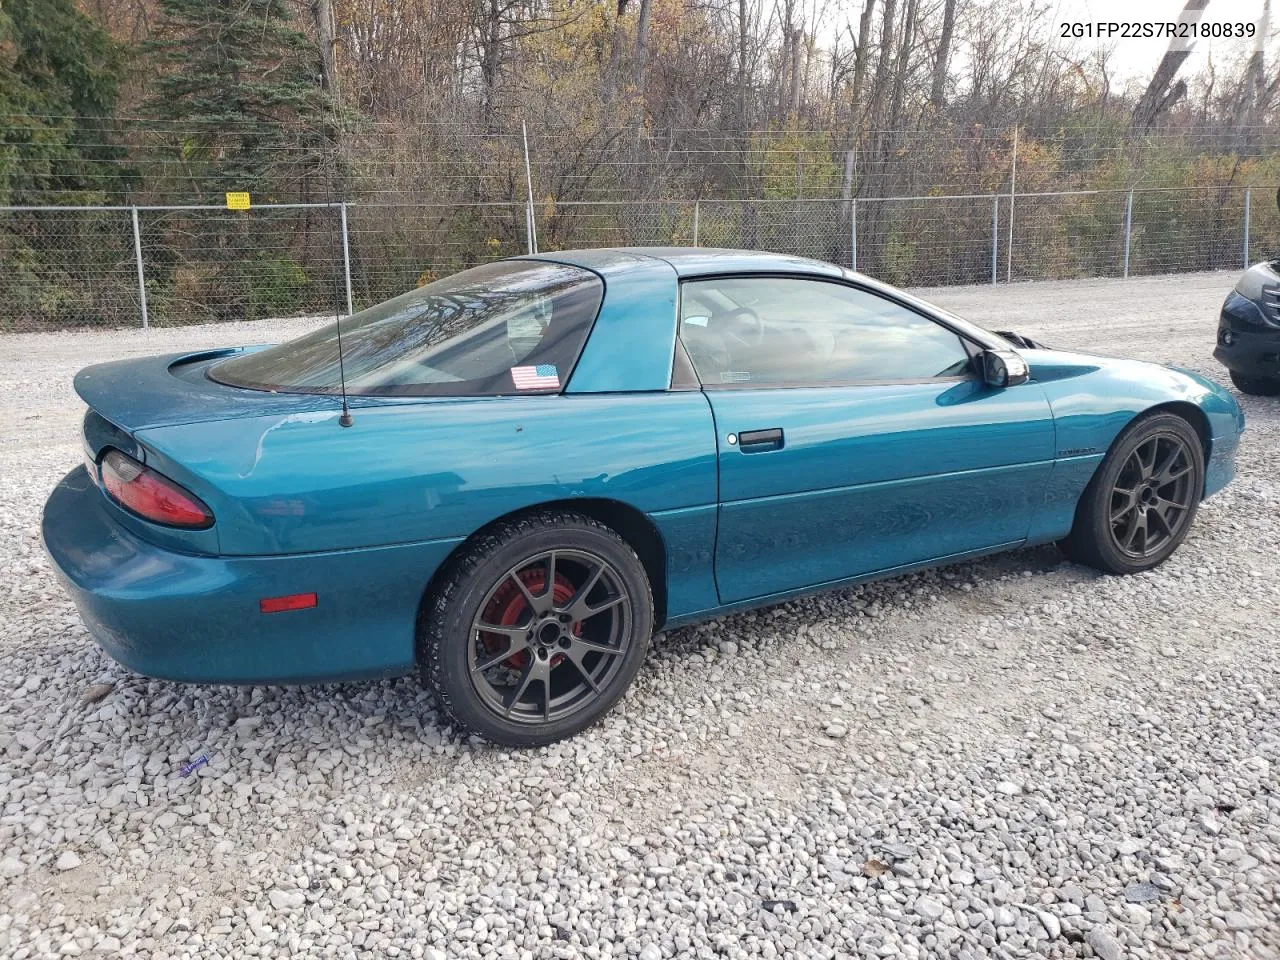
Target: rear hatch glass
508 327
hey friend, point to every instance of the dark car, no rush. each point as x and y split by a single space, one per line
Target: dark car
1249 330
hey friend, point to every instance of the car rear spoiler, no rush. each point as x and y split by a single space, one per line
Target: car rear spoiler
146 392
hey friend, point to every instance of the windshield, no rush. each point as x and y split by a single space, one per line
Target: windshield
507 327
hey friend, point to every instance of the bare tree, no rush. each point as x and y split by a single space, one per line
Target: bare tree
642 44
942 59
1255 92
322 12
1163 92
862 55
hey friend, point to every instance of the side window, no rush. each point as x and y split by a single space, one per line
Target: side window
790 331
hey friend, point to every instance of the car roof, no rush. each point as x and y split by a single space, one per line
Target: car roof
693 261
634 262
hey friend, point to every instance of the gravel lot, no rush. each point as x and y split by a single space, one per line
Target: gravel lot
1007 758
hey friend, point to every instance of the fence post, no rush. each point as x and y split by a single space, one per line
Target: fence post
1248 194
530 222
1013 192
142 277
1128 231
346 258
853 233
697 209
995 237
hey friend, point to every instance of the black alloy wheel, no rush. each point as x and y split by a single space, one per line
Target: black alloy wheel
536 629
1143 497
550 636
1151 499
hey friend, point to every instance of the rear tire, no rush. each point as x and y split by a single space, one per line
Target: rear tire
1256 386
573 610
1142 500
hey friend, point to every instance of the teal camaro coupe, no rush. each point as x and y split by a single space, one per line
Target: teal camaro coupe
510 478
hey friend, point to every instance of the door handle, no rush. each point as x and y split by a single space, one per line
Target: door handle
756 441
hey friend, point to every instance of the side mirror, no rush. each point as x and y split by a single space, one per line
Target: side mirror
1004 368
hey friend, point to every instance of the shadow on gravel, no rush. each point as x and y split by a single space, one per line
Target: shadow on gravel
354 722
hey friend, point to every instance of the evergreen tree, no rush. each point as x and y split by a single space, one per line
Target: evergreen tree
58 89
240 88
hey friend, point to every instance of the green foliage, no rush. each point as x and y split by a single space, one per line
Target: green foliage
277 287
58 88
789 164
33 288
899 258
236 86
64 270
241 83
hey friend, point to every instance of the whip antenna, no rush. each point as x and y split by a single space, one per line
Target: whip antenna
346 419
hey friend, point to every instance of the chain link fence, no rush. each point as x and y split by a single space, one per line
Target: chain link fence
202 264
67 267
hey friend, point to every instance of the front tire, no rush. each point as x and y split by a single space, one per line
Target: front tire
1140 504
537 629
1256 386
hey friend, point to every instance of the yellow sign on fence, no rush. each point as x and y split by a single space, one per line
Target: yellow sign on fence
237 201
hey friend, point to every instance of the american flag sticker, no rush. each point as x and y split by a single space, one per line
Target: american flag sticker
541 377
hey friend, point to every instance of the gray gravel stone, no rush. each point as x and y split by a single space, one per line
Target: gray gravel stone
1141 892
1235 920
929 908
1105 946
12 867
1052 926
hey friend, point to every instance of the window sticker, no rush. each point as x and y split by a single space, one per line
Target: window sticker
734 376
541 377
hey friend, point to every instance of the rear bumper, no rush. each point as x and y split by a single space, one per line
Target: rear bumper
1248 343
196 619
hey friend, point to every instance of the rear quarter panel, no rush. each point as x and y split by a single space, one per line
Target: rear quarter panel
431 470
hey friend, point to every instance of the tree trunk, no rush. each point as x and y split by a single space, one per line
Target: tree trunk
1160 95
782 81
1253 87
744 26
796 72
744 82
903 65
878 145
491 60
938 90
642 45
322 12
615 48
883 59
862 55
846 194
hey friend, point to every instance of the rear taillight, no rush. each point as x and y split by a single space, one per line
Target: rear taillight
150 495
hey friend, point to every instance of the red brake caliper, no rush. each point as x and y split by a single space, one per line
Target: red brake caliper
508 607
